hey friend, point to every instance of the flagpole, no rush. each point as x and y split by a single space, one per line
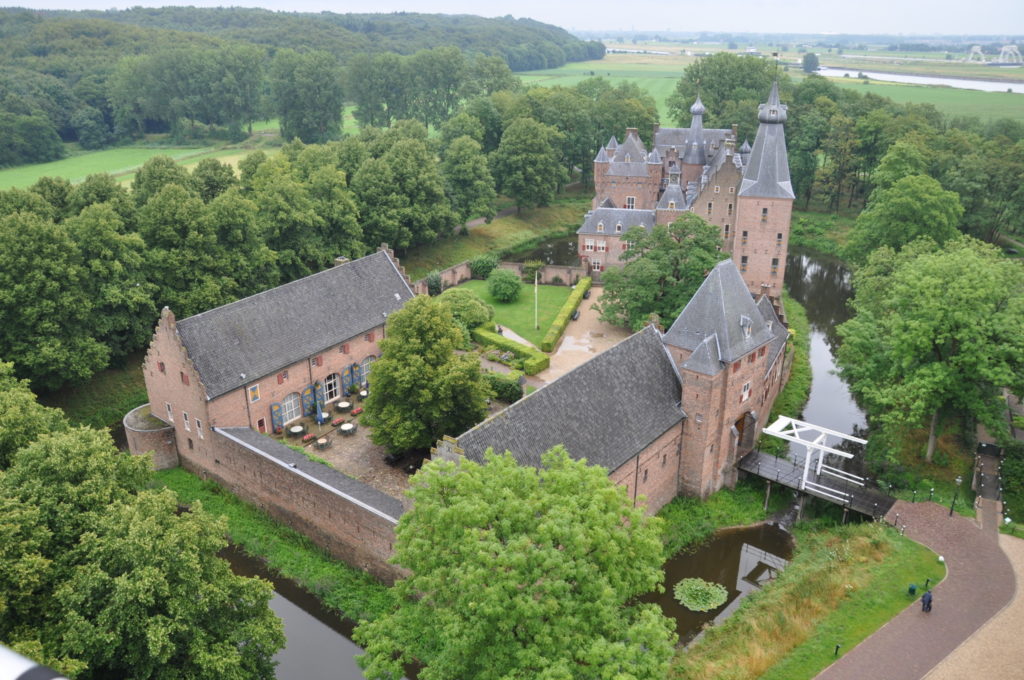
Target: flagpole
536 320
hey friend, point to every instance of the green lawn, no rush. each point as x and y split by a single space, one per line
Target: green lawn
518 315
948 100
105 398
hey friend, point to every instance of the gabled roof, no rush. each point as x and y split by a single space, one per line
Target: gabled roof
612 216
666 138
767 172
612 143
673 192
635 169
631 150
705 359
602 156
721 307
606 410
778 331
243 341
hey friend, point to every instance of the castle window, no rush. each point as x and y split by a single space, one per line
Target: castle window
366 364
745 394
671 205
761 352
618 227
254 393
291 407
600 227
736 366
709 207
317 360
344 348
730 209
170 413
588 245
261 425
743 263
601 246
732 190
184 419
645 475
743 238
368 337
631 202
281 377
718 189
625 245
184 377
160 367
199 428
332 387
628 158
190 444
764 214
727 231
596 265
664 459
775 265
778 239
753 355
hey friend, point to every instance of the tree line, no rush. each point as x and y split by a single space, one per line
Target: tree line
96 79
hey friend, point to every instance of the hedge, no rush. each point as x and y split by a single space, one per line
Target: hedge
534 361
564 314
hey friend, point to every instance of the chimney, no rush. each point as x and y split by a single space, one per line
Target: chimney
631 131
340 260
735 130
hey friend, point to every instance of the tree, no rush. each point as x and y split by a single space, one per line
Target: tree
421 388
504 285
307 95
467 179
663 269
102 578
154 175
810 62
211 178
22 418
935 330
466 307
526 166
520 572
912 207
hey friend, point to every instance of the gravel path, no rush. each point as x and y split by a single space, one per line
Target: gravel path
979 583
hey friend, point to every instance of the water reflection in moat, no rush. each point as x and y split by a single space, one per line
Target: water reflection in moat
742 560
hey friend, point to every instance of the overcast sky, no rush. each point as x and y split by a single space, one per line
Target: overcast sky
951 17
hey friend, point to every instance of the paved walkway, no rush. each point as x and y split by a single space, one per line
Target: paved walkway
978 584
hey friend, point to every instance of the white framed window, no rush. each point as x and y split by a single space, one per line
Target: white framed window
631 202
332 387
730 209
745 394
775 266
184 419
291 407
618 227
743 263
709 208
601 246
743 240
588 245
671 205
366 364
600 227
596 265
732 190
170 413
199 428
718 189
254 393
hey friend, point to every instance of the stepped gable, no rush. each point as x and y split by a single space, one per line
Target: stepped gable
767 172
258 335
613 216
775 326
606 410
721 307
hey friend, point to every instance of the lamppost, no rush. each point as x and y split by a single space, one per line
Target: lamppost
959 481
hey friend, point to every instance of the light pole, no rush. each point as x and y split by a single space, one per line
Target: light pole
959 481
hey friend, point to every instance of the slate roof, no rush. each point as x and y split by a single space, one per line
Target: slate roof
673 192
666 138
326 476
256 336
721 307
633 169
602 156
612 216
705 359
606 410
767 174
778 343
631 147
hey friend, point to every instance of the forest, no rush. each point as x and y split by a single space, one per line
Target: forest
100 78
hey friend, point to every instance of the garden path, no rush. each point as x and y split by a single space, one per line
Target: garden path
979 583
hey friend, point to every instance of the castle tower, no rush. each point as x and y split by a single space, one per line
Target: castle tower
694 155
765 204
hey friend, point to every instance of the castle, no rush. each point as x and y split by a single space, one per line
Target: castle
665 413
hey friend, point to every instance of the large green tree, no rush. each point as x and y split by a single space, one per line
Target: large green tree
526 165
420 388
22 418
935 330
912 207
663 269
307 95
467 180
518 572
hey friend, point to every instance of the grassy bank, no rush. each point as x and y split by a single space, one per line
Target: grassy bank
105 398
794 394
353 593
842 584
820 231
503 235
518 315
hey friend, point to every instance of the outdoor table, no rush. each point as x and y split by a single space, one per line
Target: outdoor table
347 428
321 443
362 394
343 406
296 429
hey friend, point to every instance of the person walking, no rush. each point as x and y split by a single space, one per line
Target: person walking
926 601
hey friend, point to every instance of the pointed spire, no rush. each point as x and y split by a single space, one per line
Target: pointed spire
654 157
746 147
694 152
698 107
772 111
612 143
602 156
767 167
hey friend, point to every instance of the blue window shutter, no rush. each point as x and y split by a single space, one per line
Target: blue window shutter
276 419
308 401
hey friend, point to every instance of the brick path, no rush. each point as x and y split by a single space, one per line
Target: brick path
978 584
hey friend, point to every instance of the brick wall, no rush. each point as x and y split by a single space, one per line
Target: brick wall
653 474
764 219
720 193
645 189
452 276
347 531
143 438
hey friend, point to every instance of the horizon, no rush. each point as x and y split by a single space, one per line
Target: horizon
943 18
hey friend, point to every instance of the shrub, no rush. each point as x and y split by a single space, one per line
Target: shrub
467 307
533 360
482 266
434 283
564 315
504 285
530 268
699 595
506 387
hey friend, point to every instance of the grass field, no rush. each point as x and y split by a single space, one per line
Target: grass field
105 398
518 315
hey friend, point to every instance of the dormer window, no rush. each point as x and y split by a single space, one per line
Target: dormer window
773 112
600 227
627 158
618 227
671 205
